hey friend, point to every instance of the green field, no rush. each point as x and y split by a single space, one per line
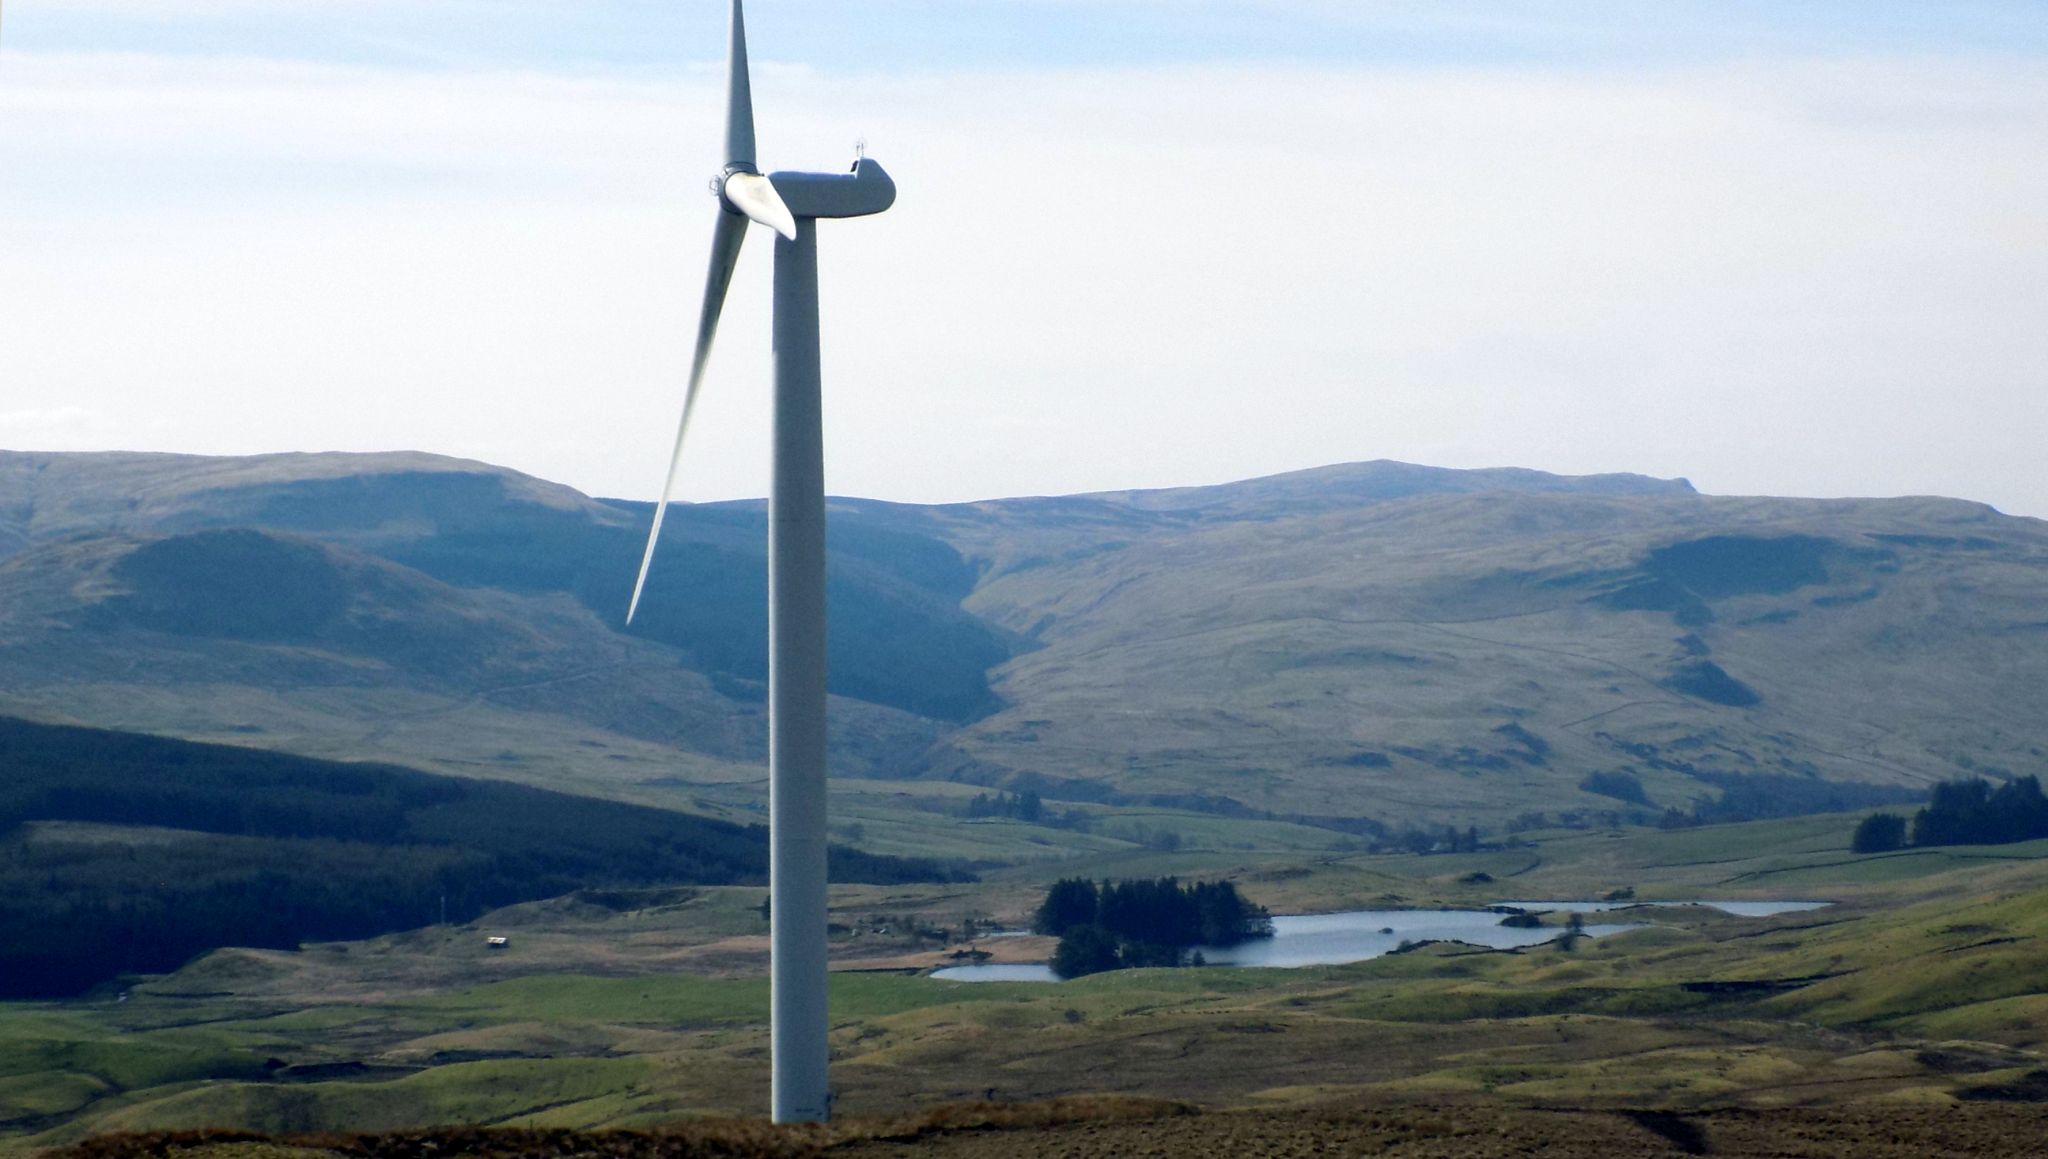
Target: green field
1922 981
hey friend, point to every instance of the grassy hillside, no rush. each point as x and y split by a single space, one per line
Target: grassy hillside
122 853
1467 657
1251 682
1916 987
467 578
1359 648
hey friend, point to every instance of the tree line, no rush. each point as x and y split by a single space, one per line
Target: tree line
1965 812
1120 924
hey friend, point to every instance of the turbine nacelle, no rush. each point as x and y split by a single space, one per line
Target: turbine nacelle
866 190
778 199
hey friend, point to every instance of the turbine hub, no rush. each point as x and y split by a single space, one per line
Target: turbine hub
719 179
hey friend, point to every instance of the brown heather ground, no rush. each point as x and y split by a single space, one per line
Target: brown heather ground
1086 1128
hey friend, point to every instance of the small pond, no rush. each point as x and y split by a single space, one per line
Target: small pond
1334 939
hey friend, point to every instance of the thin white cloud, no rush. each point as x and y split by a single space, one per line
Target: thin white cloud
43 422
1816 277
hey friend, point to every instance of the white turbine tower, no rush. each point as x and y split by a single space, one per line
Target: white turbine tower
790 204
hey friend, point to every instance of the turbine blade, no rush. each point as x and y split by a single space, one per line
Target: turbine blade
725 254
756 196
739 98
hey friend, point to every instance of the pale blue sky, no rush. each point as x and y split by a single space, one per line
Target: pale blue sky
892 34
1775 247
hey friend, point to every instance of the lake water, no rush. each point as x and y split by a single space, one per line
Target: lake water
1334 939
1744 909
1327 940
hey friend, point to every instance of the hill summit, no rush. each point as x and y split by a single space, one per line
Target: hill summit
1378 642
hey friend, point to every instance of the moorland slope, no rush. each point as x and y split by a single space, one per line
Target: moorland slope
1916 991
1459 653
1362 645
123 854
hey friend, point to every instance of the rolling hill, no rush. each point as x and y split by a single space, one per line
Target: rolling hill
1361 645
122 853
1460 653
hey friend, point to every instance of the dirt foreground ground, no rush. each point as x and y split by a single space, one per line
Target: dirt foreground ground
1476 1133
1138 1129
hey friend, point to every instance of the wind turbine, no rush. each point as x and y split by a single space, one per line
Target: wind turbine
790 204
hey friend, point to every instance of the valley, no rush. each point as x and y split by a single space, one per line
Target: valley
1365 687
630 1008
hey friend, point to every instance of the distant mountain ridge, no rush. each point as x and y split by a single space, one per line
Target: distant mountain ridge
1369 641
1345 485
